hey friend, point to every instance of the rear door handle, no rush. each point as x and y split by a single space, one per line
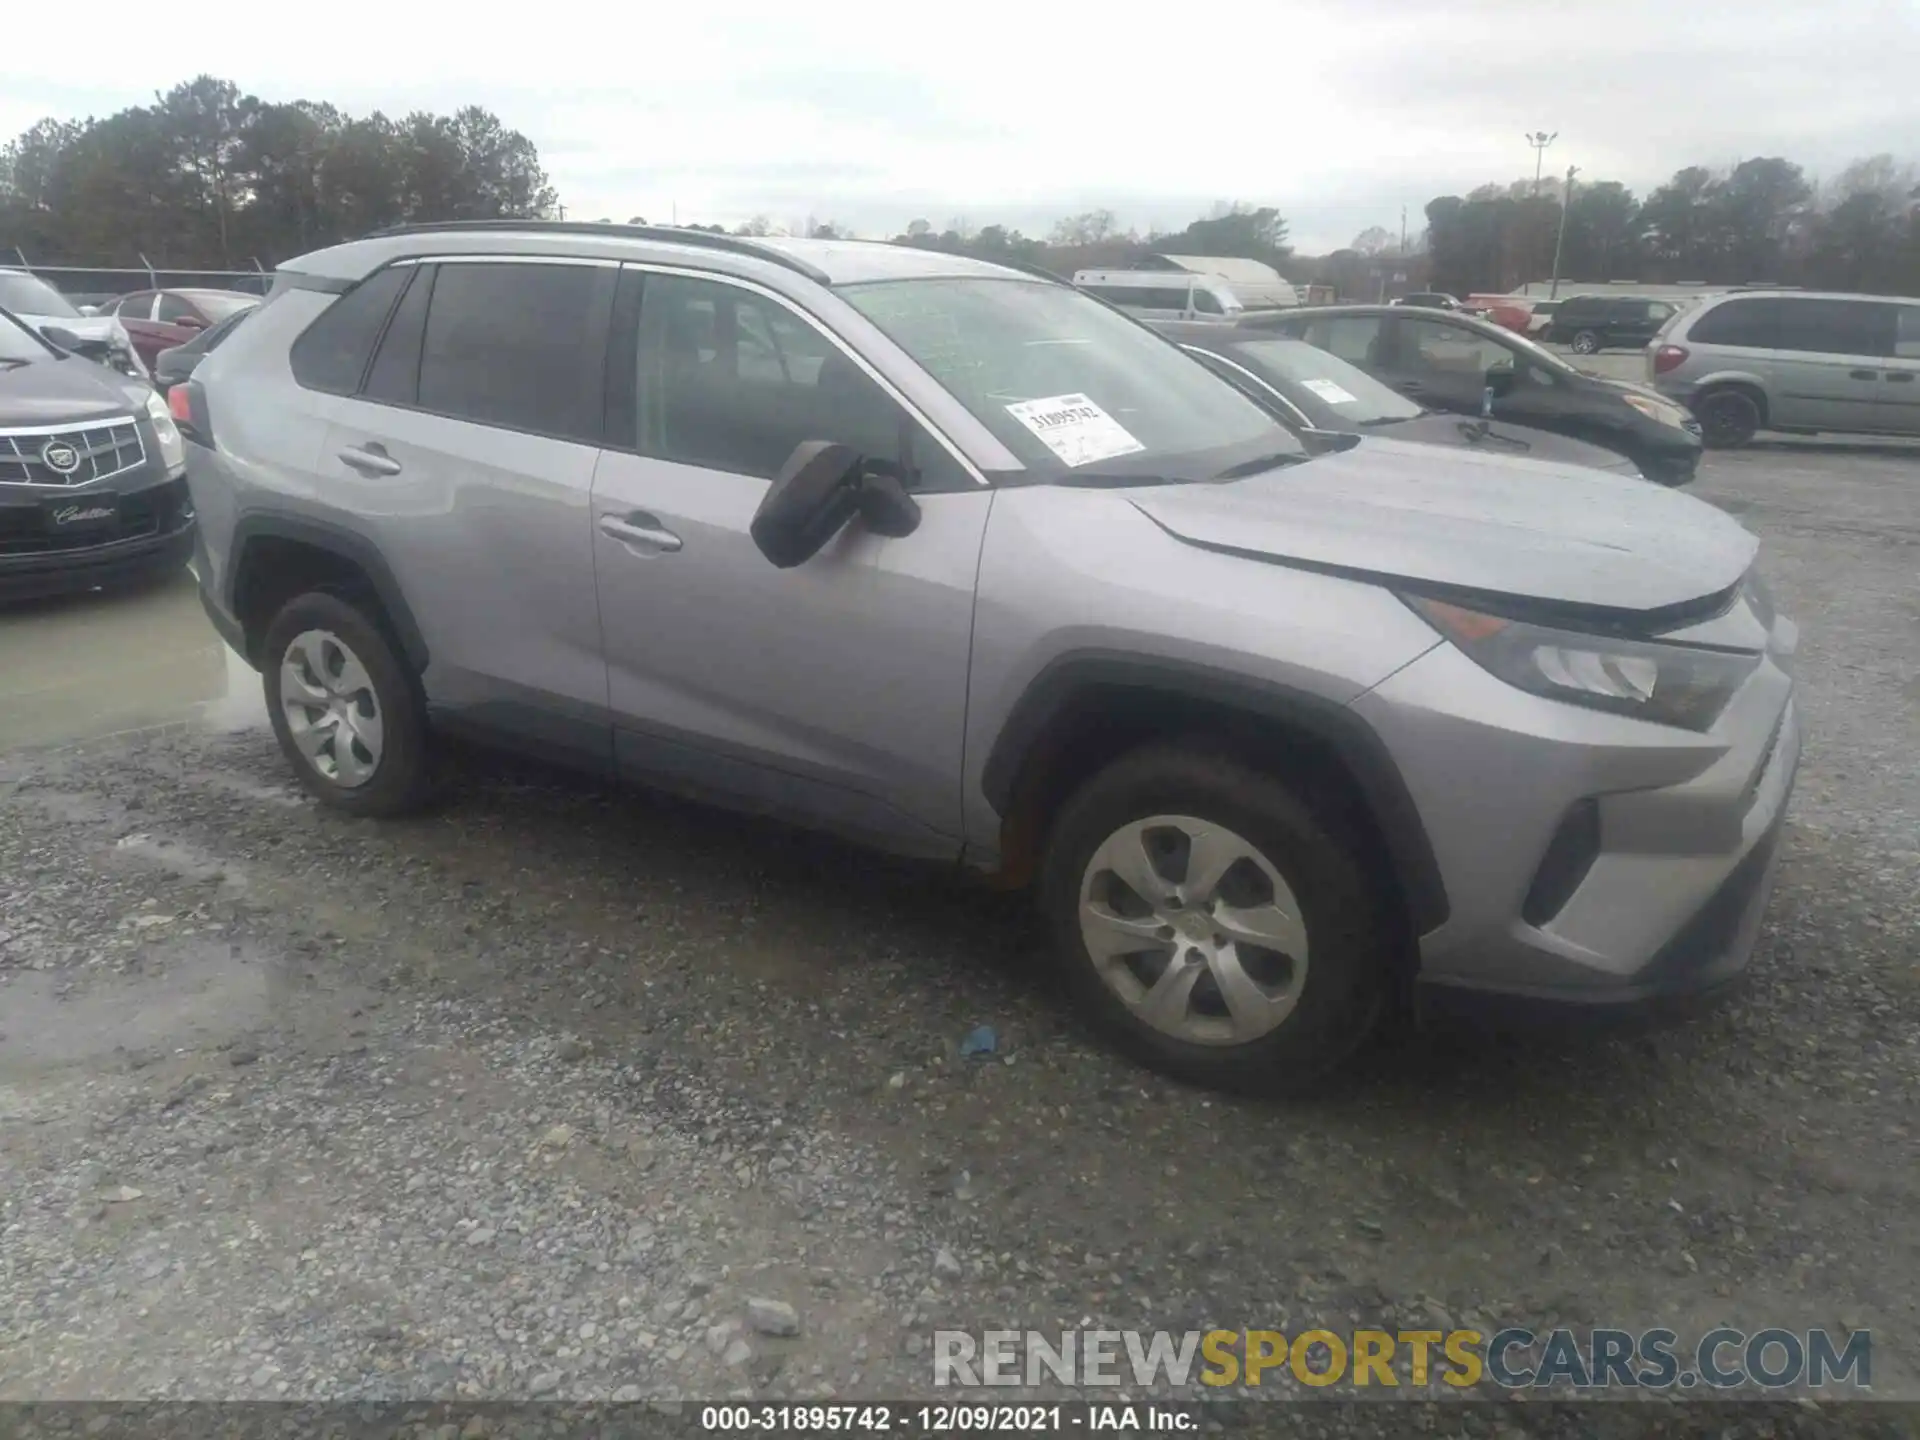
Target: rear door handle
1863 374
640 529
370 459
1900 377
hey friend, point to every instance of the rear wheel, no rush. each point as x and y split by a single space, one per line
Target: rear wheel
346 711
1728 418
1586 342
1215 923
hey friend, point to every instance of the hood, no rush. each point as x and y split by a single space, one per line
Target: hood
1464 520
58 392
1508 439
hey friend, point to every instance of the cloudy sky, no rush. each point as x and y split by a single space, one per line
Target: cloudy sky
872 114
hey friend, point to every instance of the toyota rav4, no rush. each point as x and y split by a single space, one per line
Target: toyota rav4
961 562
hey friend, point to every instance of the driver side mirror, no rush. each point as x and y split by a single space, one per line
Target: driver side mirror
64 338
822 486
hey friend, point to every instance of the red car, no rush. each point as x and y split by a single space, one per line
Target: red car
158 320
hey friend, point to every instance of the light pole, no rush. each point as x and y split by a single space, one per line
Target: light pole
1560 241
1540 140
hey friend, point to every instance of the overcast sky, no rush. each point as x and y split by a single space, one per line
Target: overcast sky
872 114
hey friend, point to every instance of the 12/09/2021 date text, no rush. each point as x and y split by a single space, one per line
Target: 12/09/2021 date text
939 1419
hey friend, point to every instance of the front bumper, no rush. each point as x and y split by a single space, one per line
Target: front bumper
1668 904
155 537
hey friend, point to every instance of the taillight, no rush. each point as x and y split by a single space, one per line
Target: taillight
1667 357
187 403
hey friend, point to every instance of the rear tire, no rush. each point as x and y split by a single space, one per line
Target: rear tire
1176 978
1586 342
1728 418
349 715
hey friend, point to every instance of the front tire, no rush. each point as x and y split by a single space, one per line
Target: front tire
1586 343
1216 923
348 714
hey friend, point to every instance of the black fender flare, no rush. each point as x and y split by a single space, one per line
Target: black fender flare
1372 767
349 545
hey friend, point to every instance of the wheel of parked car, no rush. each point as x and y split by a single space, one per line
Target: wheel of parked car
346 711
1586 342
1215 921
1728 418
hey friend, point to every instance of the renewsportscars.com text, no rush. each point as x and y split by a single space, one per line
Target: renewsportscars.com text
1512 1359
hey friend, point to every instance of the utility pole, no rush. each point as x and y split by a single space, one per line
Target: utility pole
1540 140
563 212
1560 241
1403 232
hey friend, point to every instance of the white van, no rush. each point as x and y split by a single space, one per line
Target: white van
1162 294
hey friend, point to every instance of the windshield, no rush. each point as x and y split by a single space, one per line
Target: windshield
217 306
1352 394
1069 386
19 344
30 295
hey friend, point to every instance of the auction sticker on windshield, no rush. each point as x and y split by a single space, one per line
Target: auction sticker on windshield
1330 392
1075 429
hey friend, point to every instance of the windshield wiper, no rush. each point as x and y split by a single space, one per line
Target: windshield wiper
1096 478
1380 420
1259 463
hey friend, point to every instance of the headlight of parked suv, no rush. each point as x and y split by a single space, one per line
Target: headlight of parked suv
173 450
1670 684
1658 411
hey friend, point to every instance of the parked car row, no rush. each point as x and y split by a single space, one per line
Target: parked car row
1281 725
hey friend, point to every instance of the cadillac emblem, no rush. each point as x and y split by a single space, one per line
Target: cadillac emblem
60 457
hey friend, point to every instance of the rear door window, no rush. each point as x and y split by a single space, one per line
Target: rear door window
173 310
395 376
1838 327
1751 324
1906 333
332 353
519 345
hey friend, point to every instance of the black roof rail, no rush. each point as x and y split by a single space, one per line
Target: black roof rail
706 239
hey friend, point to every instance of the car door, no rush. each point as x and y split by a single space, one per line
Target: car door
1831 357
465 451
135 314
834 692
1900 380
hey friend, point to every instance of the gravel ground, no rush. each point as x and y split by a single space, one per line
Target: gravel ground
542 1095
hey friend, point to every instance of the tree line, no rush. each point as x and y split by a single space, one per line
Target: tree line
1762 221
207 177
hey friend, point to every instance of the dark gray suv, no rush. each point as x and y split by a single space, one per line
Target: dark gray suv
92 473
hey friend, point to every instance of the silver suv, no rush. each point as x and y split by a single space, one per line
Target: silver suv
968 565
1793 361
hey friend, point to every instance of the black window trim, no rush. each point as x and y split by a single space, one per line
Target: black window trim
805 317
379 335
592 262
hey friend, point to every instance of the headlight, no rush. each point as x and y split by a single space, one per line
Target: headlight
1669 684
173 450
1658 411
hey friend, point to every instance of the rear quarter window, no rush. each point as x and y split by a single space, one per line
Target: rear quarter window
332 353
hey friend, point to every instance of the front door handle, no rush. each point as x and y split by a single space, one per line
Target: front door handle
640 529
370 459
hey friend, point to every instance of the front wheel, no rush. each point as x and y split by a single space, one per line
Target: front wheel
347 713
1586 343
1215 923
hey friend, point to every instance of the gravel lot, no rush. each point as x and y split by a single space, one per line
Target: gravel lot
535 1096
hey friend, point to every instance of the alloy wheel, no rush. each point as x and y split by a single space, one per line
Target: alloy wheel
1194 930
331 708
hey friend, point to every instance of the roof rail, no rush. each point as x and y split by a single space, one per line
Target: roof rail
706 239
